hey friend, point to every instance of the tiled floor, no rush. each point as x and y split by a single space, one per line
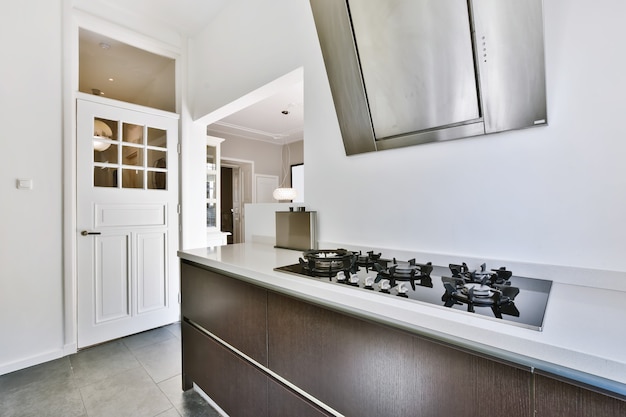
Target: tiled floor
136 376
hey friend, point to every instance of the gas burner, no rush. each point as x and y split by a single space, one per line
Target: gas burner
496 276
369 260
497 296
406 271
328 262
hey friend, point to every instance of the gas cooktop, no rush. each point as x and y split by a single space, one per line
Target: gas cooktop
490 293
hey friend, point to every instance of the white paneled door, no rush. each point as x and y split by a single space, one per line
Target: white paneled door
127 221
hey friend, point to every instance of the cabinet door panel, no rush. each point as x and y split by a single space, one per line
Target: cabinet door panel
233 310
361 368
555 399
236 386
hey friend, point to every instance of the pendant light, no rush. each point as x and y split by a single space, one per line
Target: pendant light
284 193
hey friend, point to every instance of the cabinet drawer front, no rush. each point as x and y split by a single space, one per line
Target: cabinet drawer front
237 387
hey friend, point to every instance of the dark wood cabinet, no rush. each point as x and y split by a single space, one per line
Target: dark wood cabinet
366 369
554 398
229 308
237 387
355 366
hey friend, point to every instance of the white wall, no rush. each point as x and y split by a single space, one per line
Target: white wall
551 194
265 155
31 284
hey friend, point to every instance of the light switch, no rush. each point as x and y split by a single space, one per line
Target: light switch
24 184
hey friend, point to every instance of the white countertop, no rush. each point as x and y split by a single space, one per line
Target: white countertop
583 338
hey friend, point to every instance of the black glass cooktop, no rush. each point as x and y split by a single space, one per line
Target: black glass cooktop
517 300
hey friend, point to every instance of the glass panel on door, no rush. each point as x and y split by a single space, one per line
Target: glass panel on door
132 133
132 156
132 178
157 137
107 156
104 132
105 177
138 161
157 168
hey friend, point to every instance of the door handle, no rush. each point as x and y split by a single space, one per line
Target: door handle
87 233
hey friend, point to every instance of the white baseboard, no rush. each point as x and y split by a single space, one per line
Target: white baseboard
70 349
6 368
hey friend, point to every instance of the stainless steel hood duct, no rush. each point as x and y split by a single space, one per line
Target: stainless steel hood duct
407 72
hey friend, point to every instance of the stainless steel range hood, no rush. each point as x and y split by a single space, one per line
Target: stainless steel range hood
407 72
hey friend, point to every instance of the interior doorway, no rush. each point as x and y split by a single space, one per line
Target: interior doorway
227 203
236 186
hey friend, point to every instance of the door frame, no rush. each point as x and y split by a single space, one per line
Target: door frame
74 20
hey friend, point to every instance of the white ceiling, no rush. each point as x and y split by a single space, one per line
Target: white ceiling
276 119
132 69
186 16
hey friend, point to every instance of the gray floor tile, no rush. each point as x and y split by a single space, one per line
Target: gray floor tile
131 393
42 390
49 372
162 360
53 401
175 329
140 340
100 362
188 403
169 413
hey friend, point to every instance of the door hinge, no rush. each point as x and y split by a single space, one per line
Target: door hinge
178 209
178 148
179 299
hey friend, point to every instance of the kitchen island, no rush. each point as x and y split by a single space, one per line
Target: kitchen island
330 350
